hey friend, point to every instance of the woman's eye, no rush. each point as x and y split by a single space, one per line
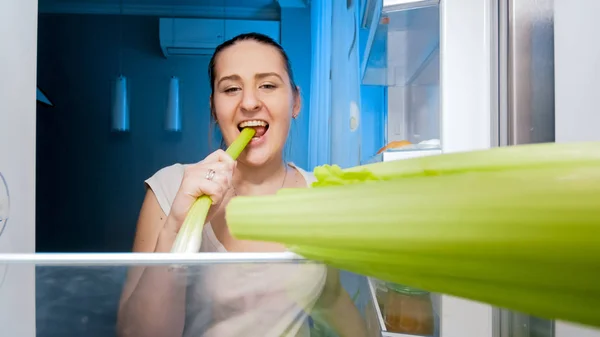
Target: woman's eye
268 86
231 90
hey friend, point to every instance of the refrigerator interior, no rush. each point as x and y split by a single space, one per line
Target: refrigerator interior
509 323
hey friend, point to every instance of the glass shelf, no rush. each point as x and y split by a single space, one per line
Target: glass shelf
78 294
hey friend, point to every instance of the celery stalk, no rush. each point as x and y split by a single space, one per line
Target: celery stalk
517 227
497 159
550 302
189 237
239 144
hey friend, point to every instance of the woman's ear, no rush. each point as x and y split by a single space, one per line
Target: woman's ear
297 103
212 107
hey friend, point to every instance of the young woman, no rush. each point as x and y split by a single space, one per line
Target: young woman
252 86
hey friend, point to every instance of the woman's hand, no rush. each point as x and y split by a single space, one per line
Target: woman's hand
212 177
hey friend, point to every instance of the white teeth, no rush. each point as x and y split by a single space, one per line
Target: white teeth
252 123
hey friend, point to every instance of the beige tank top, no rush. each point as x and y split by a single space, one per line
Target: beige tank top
250 300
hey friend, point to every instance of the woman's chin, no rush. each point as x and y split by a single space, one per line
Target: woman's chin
254 159
257 156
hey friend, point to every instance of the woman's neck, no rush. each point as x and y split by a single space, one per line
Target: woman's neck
265 179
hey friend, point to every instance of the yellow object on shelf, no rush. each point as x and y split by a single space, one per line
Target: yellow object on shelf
517 227
407 310
394 145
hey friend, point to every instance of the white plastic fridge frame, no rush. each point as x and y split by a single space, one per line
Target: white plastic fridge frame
18 33
468 102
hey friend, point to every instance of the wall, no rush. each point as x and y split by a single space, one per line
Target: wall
373 107
373 98
18 20
345 86
90 181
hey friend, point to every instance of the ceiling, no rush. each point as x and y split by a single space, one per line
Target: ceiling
256 9
219 3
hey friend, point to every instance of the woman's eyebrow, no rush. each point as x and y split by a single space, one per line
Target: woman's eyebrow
229 77
258 76
264 75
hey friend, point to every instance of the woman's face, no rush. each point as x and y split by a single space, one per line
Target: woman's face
252 89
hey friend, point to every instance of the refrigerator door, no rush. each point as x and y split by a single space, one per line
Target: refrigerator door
548 81
526 107
527 33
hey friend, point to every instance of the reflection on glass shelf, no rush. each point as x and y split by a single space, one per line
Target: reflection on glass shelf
224 295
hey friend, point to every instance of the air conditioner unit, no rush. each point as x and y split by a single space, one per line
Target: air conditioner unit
200 37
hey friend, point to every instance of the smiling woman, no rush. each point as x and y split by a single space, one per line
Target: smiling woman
252 87
256 88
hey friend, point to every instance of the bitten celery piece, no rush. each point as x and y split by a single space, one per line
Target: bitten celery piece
517 227
189 237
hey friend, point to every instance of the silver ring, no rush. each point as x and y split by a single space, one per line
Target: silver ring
210 174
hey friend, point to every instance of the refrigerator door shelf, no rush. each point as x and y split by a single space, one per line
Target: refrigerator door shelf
407 154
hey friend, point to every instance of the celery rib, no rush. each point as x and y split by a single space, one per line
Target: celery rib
189 237
517 227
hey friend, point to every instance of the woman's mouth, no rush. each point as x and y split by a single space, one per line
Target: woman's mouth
261 127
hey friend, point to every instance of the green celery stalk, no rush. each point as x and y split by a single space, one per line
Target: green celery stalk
189 237
517 227
557 302
530 156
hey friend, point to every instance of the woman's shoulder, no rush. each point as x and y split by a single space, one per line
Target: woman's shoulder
309 177
165 183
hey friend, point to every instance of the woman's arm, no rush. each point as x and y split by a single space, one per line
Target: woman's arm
153 298
337 309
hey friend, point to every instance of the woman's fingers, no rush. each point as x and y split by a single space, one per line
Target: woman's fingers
212 177
218 156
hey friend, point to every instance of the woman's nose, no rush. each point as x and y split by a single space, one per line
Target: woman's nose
250 101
